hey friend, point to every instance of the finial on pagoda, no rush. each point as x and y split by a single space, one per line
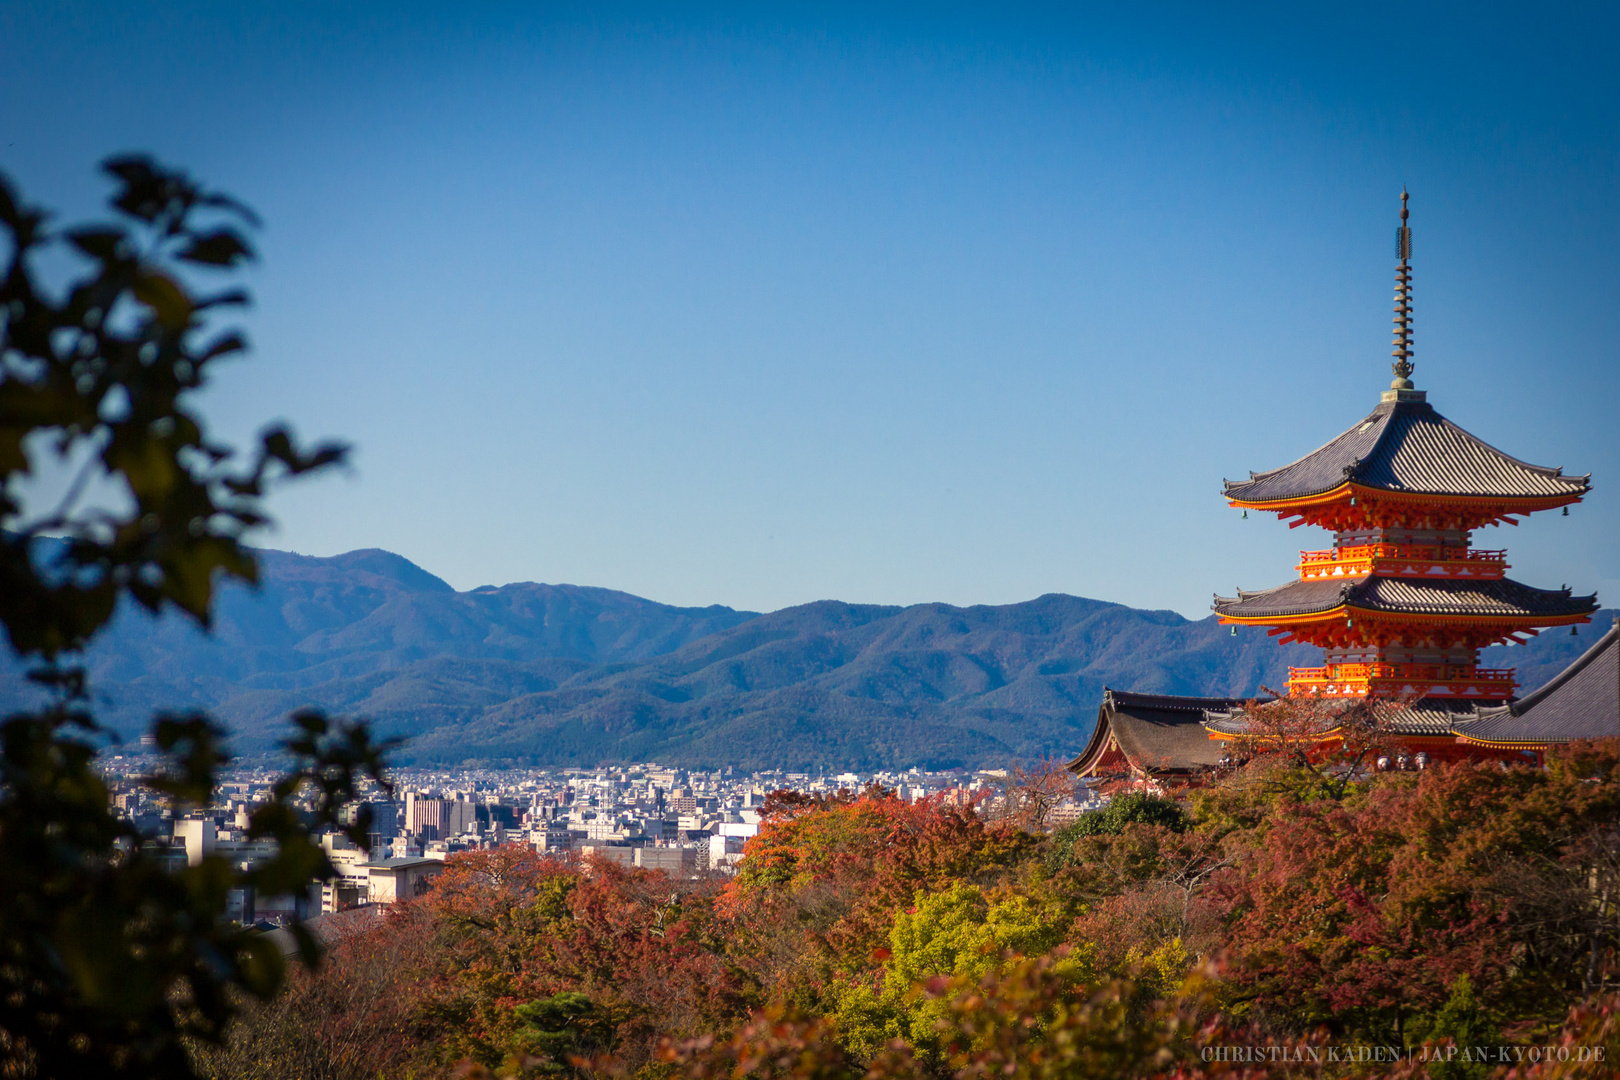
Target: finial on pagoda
1402 367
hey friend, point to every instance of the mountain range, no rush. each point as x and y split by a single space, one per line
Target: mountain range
532 674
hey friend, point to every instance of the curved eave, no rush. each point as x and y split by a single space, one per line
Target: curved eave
1217 735
1352 610
1511 504
1437 740
1098 746
1495 744
1332 614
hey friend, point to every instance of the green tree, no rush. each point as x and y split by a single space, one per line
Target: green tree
563 1027
108 961
1463 1022
1132 808
955 933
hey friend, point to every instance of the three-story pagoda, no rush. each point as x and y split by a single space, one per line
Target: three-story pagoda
1403 601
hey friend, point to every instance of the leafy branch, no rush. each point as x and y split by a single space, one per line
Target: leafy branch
110 960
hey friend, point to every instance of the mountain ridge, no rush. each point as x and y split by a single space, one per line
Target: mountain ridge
539 674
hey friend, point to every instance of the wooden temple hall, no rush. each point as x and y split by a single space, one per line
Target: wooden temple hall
1402 601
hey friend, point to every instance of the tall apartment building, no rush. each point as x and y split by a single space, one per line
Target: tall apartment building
429 817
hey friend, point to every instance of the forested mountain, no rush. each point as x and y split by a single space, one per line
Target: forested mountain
565 674
862 685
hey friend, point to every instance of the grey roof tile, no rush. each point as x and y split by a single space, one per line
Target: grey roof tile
1580 702
1408 447
1421 718
1412 596
1158 733
1294 598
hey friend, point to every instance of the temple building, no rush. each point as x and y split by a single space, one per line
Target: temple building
1400 604
1580 702
1153 737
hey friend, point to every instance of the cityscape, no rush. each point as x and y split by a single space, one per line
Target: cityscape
683 822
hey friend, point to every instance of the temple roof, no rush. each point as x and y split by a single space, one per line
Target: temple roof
1580 702
1157 733
1503 598
1406 446
1420 718
1164 734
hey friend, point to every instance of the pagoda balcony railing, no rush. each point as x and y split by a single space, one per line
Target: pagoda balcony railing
1394 680
1402 560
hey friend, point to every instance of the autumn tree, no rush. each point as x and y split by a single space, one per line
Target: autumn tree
962 933
1029 793
1363 913
821 882
352 1018
541 957
1331 741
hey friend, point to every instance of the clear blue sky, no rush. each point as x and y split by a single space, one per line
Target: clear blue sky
916 304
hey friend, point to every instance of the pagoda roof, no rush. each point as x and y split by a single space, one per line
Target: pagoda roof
1503 598
1580 702
1425 717
1408 447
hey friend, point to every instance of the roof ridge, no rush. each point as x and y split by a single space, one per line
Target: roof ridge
1578 665
1372 417
1545 470
1353 470
1192 703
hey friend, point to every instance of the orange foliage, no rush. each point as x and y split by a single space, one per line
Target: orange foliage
823 880
1366 911
515 927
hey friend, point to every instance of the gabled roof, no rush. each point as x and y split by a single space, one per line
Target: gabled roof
1580 702
1503 598
1156 733
1405 446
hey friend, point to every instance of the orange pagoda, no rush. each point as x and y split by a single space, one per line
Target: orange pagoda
1403 601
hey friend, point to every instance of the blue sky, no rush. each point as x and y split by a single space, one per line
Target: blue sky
888 304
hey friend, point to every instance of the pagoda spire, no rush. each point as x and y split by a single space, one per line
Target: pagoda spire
1402 367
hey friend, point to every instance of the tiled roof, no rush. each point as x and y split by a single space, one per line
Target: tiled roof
1409 596
1580 702
1431 717
1421 718
1294 598
1158 733
1408 447
329 928
1233 721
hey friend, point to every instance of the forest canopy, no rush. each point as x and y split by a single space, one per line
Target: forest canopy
864 936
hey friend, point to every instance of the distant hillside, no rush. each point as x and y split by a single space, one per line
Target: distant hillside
861 685
317 630
564 674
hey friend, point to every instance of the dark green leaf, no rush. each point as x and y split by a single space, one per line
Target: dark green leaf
99 243
223 247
